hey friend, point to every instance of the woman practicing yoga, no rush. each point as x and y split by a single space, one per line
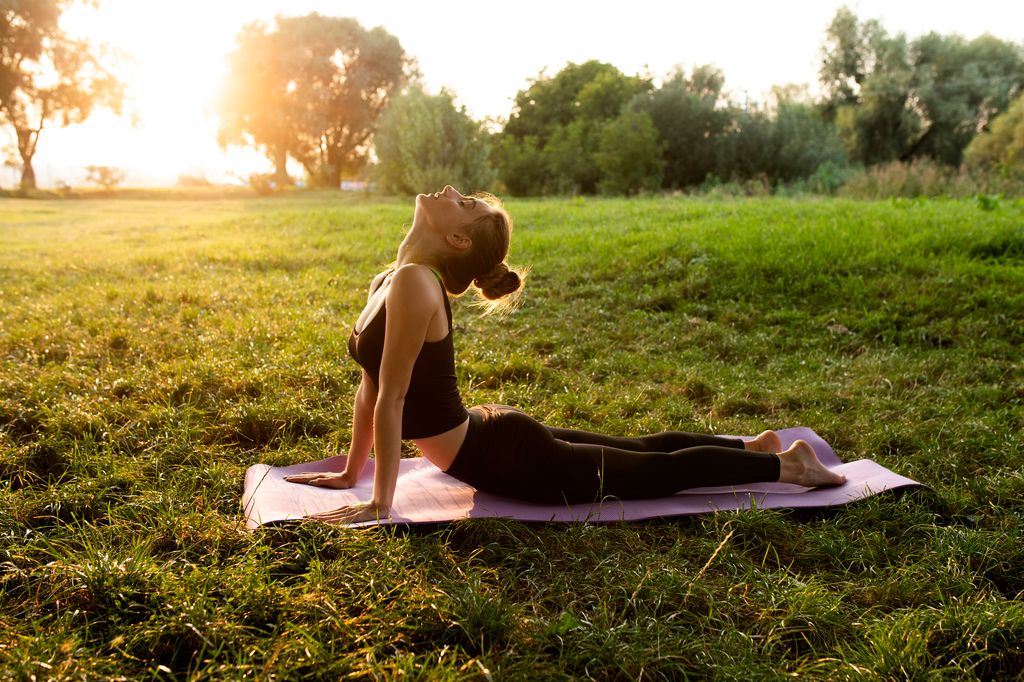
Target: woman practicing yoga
403 342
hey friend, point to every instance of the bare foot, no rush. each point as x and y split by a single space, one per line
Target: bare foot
767 441
800 465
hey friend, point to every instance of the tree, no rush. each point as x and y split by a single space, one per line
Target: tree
1002 146
629 156
848 57
897 99
313 88
866 75
552 102
959 87
47 77
424 141
549 142
690 120
253 101
748 147
569 157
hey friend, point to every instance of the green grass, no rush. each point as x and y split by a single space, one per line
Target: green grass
151 350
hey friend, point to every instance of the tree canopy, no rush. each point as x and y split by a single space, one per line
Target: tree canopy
311 88
688 115
552 138
47 77
591 90
590 128
894 98
1001 147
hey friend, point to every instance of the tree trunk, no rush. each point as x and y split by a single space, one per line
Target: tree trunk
28 175
27 140
331 176
911 152
323 174
281 169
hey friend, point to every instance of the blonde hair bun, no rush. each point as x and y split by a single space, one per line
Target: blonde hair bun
499 282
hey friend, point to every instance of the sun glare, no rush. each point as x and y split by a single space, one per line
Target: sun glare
172 77
172 59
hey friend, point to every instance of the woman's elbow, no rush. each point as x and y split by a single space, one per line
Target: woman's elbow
387 414
366 397
390 402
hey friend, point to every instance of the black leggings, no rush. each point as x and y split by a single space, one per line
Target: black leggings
507 452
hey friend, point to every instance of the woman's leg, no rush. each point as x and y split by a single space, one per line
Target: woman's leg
628 474
509 453
668 441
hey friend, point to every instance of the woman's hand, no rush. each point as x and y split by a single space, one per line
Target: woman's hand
366 511
324 479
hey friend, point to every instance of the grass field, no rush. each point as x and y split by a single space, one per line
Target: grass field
152 350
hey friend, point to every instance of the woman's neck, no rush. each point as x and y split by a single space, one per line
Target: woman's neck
417 250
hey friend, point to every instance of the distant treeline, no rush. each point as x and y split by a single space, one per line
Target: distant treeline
345 102
930 103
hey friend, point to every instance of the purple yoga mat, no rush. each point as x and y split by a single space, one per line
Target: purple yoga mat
425 494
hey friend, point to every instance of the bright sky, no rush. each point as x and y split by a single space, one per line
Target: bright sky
484 55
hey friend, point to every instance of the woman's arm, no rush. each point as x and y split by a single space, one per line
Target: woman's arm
411 304
362 431
362 428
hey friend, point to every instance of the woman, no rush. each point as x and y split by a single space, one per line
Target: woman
403 341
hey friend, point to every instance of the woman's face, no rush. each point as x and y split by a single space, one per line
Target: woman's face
448 210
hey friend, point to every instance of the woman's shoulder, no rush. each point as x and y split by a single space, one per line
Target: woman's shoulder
413 292
409 279
414 277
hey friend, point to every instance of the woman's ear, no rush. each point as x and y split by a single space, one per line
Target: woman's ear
459 241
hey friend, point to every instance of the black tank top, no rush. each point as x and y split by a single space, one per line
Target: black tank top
432 403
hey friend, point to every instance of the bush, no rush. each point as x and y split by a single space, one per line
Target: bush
807 145
64 189
898 179
106 177
425 142
826 178
571 158
551 141
790 143
264 184
924 178
522 165
713 186
748 148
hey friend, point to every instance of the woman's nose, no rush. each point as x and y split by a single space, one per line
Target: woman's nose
449 187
